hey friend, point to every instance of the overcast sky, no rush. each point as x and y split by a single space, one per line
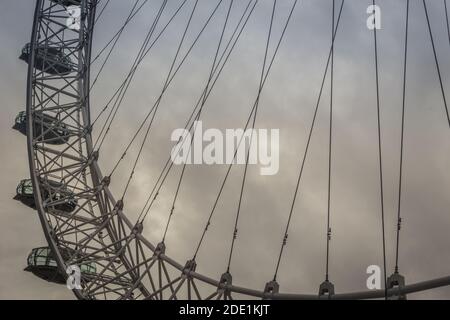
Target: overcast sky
287 103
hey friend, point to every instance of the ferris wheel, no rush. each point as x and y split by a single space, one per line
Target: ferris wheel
85 224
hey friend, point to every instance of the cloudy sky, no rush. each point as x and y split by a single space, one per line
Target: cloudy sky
287 103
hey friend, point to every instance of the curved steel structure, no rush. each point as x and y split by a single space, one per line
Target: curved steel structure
97 230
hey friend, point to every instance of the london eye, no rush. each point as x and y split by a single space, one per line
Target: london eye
120 245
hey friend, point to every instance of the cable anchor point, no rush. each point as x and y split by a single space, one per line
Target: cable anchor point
396 282
326 289
160 249
189 267
270 289
119 205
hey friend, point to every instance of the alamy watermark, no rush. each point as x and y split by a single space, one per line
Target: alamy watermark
74 278
214 146
374 19
74 20
374 280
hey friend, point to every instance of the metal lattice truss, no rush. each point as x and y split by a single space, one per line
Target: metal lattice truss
66 174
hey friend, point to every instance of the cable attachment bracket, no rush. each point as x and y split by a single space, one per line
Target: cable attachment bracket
226 280
396 282
285 239
270 289
106 181
119 205
189 267
160 249
399 224
326 289
138 228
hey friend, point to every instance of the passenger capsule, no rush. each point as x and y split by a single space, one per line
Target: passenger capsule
51 60
56 196
47 129
41 262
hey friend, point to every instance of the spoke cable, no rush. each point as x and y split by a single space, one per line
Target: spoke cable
436 61
447 20
222 186
305 154
160 98
169 164
169 82
330 145
118 32
126 84
380 155
246 126
235 231
211 75
399 219
114 44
